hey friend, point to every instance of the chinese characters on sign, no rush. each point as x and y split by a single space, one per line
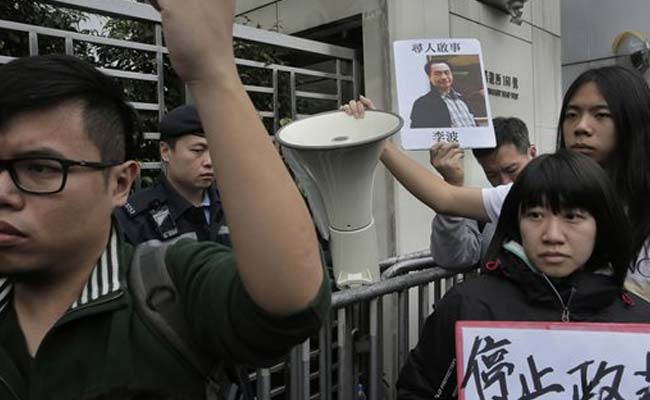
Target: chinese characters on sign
440 47
445 136
522 362
509 84
442 93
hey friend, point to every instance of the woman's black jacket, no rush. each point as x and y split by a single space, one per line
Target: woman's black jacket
509 291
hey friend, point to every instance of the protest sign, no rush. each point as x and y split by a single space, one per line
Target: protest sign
441 93
540 360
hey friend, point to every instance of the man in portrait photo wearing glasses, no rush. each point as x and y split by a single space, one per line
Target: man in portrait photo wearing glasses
69 328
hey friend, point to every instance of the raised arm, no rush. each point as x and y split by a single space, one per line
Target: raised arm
459 201
273 237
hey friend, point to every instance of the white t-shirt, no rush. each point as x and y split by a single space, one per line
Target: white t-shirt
493 199
638 276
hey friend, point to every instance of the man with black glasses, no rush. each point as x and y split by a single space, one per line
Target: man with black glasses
68 324
45 174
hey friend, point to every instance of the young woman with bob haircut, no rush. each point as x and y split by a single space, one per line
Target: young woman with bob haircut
560 253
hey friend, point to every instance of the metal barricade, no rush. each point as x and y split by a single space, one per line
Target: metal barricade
349 349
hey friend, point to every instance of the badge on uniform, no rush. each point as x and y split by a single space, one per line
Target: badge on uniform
164 221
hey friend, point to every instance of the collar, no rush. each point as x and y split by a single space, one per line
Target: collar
178 205
105 278
453 94
103 281
206 199
582 291
518 250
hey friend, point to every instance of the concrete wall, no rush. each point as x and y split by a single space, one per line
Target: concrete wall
530 52
589 27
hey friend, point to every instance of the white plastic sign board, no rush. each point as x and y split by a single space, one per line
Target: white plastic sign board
442 93
539 360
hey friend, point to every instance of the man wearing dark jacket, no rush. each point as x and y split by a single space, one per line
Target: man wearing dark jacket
69 328
185 200
430 111
443 106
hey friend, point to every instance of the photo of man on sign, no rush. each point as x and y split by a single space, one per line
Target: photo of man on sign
442 93
456 94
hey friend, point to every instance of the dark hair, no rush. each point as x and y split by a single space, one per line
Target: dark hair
41 82
507 131
628 97
566 180
427 66
171 141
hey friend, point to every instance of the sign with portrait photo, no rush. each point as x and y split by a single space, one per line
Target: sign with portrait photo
552 360
441 93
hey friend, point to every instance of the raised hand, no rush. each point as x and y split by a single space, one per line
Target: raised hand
357 108
447 158
277 233
198 34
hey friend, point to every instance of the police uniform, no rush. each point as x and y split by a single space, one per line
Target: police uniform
160 212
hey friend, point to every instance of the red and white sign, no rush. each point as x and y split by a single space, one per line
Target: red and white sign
545 360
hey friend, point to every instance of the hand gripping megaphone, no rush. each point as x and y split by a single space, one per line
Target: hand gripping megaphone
333 157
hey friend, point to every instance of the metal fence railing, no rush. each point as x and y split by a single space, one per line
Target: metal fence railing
349 349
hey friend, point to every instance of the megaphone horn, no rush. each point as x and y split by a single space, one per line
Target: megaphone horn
339 153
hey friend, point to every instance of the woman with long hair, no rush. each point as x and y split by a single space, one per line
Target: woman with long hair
606 116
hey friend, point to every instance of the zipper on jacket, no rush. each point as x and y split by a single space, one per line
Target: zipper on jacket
65 318
11 390
566 312
566 315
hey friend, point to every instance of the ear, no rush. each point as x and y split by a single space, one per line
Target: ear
532 151
121 179
164 151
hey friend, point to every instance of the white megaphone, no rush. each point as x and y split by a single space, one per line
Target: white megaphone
334 156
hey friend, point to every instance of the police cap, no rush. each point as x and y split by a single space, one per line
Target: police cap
181 121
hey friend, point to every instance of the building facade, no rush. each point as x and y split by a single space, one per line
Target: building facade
527 56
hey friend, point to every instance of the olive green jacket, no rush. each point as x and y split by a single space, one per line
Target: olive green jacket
102 342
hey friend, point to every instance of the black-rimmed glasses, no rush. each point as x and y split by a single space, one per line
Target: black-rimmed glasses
45 175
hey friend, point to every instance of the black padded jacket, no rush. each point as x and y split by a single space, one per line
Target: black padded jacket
509 291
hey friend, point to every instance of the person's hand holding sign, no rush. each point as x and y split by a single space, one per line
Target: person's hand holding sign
447 159
357 108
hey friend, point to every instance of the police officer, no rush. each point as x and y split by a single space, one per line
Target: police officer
185 201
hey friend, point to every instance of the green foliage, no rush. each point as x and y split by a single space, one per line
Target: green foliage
16 44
